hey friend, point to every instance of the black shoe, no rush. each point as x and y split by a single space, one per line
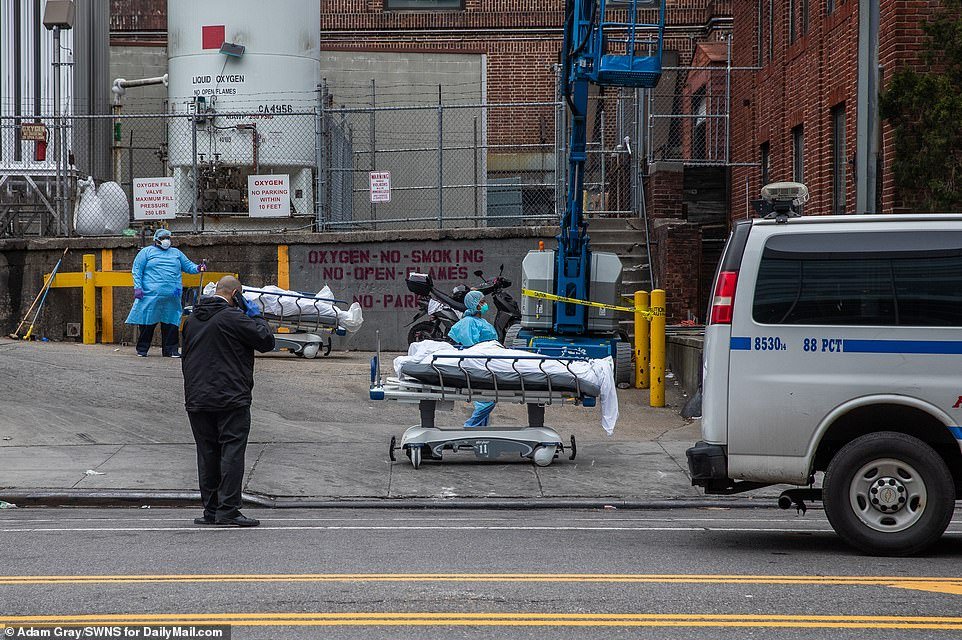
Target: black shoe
238 521
204 520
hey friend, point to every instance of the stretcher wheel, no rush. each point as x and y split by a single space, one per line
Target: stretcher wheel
415 454
543 456
574 449
393 447
310 350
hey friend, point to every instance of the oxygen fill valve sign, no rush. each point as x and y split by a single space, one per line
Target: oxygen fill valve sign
269 196
154 199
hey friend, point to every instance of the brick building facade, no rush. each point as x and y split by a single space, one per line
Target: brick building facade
803 103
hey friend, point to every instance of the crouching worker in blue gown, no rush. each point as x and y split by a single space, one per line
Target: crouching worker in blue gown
157 292
469 331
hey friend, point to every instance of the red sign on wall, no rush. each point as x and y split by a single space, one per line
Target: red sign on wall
213 36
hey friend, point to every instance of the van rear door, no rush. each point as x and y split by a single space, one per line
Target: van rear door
714 425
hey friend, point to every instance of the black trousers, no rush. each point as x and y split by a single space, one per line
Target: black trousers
221 438
169 338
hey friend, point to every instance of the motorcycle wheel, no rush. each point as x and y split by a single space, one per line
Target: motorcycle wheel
423 331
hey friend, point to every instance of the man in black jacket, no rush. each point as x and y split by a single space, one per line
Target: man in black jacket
219 340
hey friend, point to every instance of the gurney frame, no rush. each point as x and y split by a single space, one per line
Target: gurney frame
536 442
304 334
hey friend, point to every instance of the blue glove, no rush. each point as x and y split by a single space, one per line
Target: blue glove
138 294
253 311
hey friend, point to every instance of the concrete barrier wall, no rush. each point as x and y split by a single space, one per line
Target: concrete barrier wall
365 266
685 361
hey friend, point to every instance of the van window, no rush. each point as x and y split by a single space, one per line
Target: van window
879 279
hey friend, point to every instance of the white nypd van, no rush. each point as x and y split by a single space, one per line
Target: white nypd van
835 345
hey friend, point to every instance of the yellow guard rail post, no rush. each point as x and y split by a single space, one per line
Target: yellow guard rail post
657 394
642 340
89 280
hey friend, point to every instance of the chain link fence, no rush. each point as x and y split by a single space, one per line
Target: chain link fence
450 166
446 165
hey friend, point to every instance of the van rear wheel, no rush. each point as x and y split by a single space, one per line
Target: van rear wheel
889 494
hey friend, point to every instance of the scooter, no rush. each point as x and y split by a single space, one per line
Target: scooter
439 311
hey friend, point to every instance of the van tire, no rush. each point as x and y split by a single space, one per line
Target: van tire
913 467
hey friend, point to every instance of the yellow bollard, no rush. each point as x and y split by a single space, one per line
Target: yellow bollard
642 340
283 267
89 299
657 395
107 300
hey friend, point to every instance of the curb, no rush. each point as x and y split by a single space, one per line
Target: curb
131 498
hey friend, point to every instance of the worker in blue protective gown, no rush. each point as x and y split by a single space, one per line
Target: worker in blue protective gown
469 331
157 292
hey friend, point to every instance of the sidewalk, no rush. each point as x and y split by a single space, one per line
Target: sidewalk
97 418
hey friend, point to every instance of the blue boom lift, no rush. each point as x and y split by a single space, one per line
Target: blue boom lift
606 44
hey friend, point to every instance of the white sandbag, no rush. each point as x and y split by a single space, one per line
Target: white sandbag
600 372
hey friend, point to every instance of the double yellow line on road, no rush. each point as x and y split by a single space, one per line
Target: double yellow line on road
948 585
509 619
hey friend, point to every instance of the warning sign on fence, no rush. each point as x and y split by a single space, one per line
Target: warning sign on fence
154 199
269 196
380 186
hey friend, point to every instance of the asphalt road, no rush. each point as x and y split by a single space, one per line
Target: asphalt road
710 573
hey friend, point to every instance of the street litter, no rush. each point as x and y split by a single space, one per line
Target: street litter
7 505
91 472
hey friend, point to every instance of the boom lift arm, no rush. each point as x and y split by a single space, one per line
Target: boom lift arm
634 60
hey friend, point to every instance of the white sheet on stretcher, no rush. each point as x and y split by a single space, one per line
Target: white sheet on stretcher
286 304
599 372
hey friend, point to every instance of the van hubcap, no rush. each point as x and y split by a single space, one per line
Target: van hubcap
888 495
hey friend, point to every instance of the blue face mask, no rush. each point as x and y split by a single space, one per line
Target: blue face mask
484 308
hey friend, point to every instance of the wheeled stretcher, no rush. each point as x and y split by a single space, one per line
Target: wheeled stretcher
302 323
446 379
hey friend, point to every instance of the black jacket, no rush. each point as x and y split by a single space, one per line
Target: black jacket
218 355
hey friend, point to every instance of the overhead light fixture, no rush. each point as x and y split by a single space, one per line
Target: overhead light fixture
59 14
232 50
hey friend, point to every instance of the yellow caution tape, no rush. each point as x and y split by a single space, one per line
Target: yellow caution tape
528 293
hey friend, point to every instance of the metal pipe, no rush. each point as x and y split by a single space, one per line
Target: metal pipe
475 157
193 168
728 102
372 141
120 85
604 179
440 160
56 128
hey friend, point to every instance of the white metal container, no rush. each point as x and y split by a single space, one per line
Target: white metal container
277 74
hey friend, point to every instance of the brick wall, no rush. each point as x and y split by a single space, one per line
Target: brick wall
901 37
676 244
801 85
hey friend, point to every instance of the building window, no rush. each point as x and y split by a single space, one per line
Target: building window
832 5
798 154
423 5
765 161
771 30
760 34
805 17
792 34
838 159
